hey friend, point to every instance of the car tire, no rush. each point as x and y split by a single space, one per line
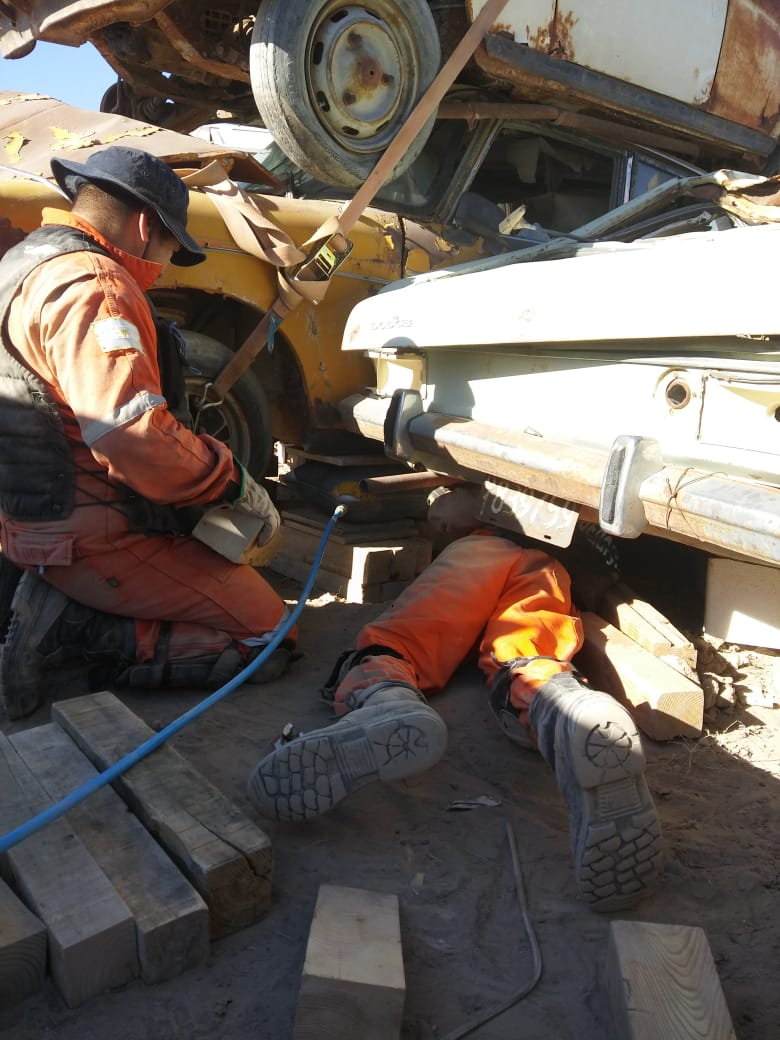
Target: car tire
304 64
242 420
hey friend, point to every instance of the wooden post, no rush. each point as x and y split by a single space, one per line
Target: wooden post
353 981
22 949
663 702
663 984
171 919
90 929
223 853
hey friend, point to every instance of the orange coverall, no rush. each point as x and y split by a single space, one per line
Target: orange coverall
82 324
481 591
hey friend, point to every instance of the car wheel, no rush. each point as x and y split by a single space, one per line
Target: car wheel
334 81
242 420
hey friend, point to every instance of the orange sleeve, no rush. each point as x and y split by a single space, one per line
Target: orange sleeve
100 347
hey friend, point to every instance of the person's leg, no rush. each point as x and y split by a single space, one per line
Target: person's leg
389 731
589 739
436 621
532 634
164 610
162 577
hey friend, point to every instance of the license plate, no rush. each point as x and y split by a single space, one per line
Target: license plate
532 513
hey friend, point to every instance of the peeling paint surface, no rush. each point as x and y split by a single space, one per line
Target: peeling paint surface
665 46
34 127
751 41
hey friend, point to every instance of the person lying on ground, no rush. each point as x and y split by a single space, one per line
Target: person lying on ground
514 603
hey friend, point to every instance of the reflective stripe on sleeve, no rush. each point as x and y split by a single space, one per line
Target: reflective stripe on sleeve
141 403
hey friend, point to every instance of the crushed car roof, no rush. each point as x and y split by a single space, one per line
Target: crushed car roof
33 127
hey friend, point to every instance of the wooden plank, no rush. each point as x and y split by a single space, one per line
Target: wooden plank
297 457
348 532
91 934
663 702
643 623
22 949
353 980
225 855
663 984
336 584
171 919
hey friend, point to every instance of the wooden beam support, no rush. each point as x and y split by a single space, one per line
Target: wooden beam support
224 854
663 702
90 929
171 919
353 980
22 949
663 984
647 626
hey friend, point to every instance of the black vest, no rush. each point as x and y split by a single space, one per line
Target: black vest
37 474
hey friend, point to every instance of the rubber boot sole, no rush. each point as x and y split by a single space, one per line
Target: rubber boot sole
616 834
313 773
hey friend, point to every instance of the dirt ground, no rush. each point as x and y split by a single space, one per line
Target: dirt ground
465 950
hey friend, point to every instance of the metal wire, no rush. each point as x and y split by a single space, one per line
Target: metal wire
533 942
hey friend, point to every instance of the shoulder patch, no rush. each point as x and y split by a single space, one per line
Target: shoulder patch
117 334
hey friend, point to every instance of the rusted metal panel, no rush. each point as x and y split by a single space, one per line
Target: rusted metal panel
747 86
237 69
71 22
34 127
680 66
665 46
708 510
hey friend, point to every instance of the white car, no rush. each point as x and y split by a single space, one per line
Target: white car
635 381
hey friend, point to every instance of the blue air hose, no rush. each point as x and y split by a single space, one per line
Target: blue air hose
59 808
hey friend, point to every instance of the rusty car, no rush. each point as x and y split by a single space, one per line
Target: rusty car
334 81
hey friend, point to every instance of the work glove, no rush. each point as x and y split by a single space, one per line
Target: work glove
254 500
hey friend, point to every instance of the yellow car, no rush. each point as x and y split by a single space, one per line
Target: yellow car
290 392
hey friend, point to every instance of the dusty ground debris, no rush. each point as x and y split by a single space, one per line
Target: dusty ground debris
463 943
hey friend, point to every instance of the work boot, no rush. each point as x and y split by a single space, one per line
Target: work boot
593 745
9 579
206 671
391 733
48 629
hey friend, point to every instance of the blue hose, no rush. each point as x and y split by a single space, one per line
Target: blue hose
59 808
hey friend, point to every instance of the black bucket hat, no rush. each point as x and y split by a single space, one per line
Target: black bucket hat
142 176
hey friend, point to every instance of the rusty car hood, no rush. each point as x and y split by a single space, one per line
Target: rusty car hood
33 127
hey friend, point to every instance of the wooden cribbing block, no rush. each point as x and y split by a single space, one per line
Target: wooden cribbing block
91 934
664 703
395 560
644 624
224 854
353 977
22 949
663 984
171 919
347 532
353 591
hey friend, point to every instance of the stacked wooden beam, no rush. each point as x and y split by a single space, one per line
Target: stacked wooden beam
633 652
362 562
135 879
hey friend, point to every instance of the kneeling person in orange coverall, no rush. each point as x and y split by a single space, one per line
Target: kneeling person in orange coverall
100 481
515 604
